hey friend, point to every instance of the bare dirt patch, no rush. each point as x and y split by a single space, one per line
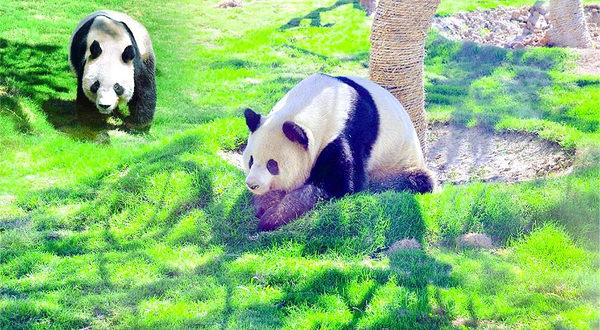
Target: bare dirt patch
525 26
588 61
460 155
509 27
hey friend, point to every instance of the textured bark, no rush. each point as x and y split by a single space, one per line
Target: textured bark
569 28
397 52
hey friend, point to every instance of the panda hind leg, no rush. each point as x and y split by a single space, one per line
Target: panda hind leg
415 180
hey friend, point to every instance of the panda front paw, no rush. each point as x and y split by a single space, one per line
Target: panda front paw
273 218
267 201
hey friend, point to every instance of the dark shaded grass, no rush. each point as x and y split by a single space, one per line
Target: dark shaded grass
486 84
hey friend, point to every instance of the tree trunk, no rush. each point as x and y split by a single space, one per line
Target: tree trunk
397 52
569 28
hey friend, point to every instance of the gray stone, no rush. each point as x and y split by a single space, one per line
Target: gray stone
474 240
541 7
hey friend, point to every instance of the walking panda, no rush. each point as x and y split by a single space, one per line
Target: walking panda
328 137
112 55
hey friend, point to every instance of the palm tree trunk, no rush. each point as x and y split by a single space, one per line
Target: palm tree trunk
569 28
397 52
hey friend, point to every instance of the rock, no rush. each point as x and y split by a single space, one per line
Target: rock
102 138
541 7
474 240
542 23
530 23
230 4
405 244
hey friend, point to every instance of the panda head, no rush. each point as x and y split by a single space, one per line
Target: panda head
108 74
276 157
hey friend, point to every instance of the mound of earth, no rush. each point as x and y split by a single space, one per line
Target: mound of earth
459 155
508 27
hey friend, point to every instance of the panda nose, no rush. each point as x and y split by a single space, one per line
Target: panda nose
253 186
105 106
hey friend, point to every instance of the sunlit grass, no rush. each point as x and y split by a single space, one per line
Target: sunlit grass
109 230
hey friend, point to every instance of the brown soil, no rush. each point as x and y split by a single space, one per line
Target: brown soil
588 61
458 155
509 27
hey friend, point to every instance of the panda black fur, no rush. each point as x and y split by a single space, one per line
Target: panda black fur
328 137
112 55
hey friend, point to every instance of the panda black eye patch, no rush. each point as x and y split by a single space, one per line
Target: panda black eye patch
119 89
250 162
94 87
273 167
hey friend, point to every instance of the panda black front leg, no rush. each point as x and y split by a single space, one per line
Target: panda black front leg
292 205
337 171
335 174
264 202
143 102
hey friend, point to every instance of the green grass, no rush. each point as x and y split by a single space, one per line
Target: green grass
106 230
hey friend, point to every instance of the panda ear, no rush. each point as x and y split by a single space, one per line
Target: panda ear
95 49
252 119
128 54
295 133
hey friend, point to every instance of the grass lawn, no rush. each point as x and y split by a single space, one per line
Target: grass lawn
107 230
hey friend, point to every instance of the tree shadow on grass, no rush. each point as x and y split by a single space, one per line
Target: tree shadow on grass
403 288
356 225
41 73
485 83
121 222
10 106
315 15
34 71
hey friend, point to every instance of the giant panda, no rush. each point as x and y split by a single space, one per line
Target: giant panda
328 137
112 55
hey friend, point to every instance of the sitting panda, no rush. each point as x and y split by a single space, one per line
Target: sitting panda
328 137
112 55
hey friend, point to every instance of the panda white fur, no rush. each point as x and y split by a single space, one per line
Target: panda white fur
328 137
112 55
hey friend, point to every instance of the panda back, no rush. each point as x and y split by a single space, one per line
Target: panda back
320 103
397 145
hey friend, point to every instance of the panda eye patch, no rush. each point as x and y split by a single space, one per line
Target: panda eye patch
250 162
119 89
94 87
273 167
